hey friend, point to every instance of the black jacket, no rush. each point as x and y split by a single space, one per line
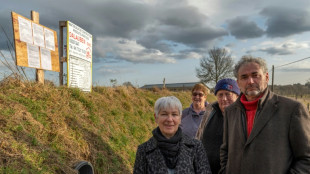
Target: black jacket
210 132
191 160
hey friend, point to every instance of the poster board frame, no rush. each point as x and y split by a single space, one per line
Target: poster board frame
81 58
21 51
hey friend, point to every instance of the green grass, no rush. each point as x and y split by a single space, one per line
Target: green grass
49 128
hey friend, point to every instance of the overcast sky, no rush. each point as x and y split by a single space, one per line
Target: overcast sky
145 41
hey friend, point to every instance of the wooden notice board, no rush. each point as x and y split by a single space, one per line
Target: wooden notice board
36 46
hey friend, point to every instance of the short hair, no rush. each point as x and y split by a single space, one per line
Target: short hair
201 87
249 59
167 102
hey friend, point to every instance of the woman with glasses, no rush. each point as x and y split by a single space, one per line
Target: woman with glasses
169 151
210 131
192 116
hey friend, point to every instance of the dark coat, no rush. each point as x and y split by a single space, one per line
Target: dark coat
210 133
278 144
192 158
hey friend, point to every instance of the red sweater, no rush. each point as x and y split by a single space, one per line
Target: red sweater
250 109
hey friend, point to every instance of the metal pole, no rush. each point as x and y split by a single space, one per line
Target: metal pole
62 24
272 78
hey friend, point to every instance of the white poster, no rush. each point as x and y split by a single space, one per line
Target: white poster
49 39
38 35
25 31
79 51
46 60
33 56
80 42
80 74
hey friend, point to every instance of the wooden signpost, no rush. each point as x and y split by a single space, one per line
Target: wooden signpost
35 45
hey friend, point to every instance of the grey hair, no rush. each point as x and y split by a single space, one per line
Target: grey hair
249 59
167 102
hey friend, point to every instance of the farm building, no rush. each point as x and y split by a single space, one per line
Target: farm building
173 86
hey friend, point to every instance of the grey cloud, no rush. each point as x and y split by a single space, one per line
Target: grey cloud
195 36
179 24
184 16
156 26
121 19
242 28
283 22
153 41
277 51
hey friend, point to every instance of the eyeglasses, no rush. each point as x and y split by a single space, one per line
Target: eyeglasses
199 94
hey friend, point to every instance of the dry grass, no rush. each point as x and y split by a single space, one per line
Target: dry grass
47 129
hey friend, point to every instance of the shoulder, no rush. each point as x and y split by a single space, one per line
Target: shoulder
209 109
190 142
284 102
148 145
186 109
211 106
186 112
233 106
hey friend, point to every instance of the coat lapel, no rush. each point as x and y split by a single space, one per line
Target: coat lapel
267 112
156 155
185 153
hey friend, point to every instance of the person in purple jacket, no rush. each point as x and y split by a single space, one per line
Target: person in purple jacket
192 116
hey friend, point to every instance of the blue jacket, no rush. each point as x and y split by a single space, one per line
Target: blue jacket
191 121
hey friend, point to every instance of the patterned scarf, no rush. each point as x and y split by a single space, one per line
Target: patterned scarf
169 147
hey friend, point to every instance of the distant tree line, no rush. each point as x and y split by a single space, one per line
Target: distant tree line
298 90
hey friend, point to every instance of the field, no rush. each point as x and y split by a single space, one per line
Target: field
47 129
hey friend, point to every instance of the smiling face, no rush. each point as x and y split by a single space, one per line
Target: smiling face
225 98
199 98
168 120
251 80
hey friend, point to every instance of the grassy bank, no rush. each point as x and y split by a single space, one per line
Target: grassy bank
47 129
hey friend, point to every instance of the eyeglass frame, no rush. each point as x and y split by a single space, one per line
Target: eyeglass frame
198 93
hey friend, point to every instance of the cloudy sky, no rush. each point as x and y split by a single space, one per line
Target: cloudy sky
145 41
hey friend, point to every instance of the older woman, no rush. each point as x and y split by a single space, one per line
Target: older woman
169 151
192 116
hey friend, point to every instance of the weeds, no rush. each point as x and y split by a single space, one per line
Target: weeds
47 129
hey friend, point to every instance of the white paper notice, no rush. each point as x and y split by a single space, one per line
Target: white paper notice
25 31
49 39
33 56
80 74
38 35
46 59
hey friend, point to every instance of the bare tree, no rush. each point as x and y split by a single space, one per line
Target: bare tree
127 84
217 66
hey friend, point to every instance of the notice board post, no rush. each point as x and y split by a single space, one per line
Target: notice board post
62 59
39 72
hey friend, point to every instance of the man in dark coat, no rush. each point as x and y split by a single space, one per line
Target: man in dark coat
263 133
210 131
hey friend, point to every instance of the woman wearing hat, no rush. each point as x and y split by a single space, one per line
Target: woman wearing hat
210 131
169 151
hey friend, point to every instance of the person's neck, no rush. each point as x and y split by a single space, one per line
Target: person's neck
198 108
251 98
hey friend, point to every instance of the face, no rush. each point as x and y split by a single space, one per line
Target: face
168 121
225 98
199 98
252 81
